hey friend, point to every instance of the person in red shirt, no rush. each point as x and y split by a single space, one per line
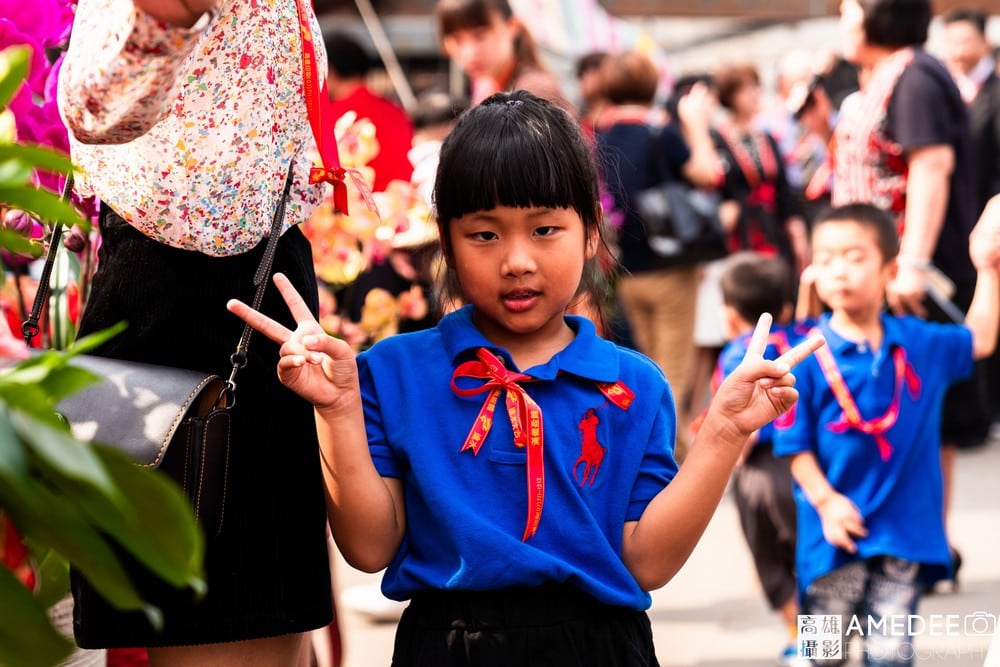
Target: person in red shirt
348 67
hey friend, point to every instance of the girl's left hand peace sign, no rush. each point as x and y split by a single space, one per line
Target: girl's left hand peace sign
759 390
316 366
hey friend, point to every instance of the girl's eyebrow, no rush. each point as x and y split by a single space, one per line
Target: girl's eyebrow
530 212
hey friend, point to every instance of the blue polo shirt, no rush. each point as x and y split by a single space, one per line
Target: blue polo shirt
466 513
734 351
900 499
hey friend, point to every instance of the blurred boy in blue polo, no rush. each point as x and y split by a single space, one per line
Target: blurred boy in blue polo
864 444
751 285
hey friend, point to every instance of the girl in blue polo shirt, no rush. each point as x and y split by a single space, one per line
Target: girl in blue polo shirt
864 444
512 470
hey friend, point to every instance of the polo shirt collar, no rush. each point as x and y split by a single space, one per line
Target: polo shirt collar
892 334
588 356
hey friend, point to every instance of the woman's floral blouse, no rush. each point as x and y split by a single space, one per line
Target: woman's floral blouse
188 133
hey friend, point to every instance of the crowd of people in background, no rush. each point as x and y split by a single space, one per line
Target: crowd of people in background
897 146
845 129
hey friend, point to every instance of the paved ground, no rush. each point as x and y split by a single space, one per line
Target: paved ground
713 615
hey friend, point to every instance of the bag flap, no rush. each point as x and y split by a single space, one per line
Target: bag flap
136 407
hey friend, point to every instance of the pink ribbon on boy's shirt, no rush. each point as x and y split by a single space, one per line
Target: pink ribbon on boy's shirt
851 417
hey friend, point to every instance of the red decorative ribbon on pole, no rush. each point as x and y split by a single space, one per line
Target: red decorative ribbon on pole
852 416
320 117
525 419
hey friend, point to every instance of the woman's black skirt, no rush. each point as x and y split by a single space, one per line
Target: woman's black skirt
268 572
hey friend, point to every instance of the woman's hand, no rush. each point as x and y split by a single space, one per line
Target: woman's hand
183 13
758 391
316 366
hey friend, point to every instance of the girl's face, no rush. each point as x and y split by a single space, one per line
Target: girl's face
486 51
520 269
851 274
852 31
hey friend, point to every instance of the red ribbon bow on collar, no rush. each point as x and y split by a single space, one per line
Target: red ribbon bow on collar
525 419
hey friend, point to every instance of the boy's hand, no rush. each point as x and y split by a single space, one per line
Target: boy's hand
316 366
841 521
759 391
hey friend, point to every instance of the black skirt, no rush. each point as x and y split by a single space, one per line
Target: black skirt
268 572
543 626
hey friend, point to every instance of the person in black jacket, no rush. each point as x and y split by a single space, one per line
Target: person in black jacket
969 57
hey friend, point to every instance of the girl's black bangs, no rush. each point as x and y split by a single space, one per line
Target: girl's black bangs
511 167
465 16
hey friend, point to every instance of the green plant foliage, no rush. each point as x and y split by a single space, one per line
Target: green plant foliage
74 503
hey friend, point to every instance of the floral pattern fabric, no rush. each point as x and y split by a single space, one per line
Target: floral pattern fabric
188 133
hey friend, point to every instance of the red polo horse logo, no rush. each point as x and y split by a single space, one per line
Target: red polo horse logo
591 451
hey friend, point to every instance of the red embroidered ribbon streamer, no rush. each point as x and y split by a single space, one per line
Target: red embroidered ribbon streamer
852 416
320 118
525 419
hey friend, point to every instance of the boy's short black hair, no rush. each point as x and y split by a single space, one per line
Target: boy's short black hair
896 23
870 216
752 285
345 55
973 15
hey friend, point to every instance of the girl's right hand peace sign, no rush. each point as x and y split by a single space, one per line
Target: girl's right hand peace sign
759 391
316 366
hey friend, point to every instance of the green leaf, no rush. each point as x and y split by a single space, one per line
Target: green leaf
13 462
163 533
42 204
52 572
27 638
53 370
92 341
155 523
13 71
59 456
37 157
15 172
20 244
47 518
